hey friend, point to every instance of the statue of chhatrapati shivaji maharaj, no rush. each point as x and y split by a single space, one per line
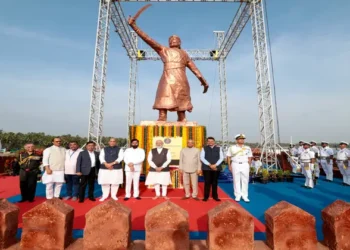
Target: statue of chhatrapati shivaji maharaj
173 93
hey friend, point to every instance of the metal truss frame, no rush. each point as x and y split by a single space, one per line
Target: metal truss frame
111 10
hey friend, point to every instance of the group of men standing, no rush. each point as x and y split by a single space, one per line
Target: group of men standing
310 158
79 168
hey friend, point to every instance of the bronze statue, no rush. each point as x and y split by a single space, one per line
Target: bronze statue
173 93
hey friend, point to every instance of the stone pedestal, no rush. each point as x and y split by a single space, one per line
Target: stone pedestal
230 227
336 225
48 226
289 227
8 223
108 226
167 228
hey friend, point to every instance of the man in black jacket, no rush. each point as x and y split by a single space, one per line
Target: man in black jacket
211 157
29 163
88 164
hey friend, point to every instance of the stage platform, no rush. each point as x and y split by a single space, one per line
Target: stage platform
262 197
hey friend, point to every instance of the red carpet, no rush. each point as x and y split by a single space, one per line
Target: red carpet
197 209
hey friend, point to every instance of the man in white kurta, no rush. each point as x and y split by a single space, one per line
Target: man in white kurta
133 159
239 158
307 160
343 160
326 159
110 175
53 162
159 159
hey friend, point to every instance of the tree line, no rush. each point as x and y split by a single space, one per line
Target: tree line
15 141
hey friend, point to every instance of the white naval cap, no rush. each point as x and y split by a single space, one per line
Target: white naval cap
301 141
344 142
313 142
240 136
306 143
324 142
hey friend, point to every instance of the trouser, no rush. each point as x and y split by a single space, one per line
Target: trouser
84 181
307 171
211 181
27 185
107 187
317 168
53 189
132 178
194 181
157 189
293 163
344 172
72 184
240 174
328 169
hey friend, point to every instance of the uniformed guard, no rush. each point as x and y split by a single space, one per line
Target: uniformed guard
343 160
29 163
293 160
315 149
326 159
307 160
239 158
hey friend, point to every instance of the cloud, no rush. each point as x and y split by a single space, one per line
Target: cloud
22 33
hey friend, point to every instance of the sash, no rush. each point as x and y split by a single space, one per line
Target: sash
307 166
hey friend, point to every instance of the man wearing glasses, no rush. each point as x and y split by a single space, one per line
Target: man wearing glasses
53 161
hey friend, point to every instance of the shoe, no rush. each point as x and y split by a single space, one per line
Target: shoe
138 198
156 197
81 201
92 199
60 198
115 198
102 199
67 198
74 198
216 199
165 198
126 198
205 199
238 199
185 198
246 200
31 201
196 198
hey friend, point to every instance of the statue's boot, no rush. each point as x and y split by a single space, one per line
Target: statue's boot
162 115
181 116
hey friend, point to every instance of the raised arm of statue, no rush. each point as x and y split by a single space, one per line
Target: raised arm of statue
198 74
152 43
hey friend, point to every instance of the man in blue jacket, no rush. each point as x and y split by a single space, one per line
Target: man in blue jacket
88 164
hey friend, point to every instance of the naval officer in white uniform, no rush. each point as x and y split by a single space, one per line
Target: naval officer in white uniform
239 158
343 160
307 160
326 156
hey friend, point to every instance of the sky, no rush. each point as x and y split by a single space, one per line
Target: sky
47 52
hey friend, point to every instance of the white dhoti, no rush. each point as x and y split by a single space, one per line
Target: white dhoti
240 173
307 171
157 179
55 179
110 179
328 169
132 177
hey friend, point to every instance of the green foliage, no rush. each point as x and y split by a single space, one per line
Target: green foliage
265 174
286 173
14 141
280 173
